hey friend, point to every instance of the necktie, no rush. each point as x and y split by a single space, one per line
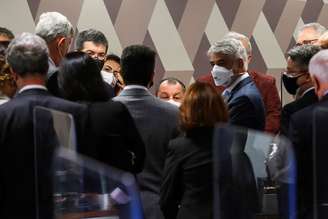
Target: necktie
226 95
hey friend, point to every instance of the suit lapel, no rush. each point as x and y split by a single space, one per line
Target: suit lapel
239 86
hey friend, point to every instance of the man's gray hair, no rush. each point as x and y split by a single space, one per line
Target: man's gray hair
28 54
230 46
318 28
52 25
319 66
241 37
301 55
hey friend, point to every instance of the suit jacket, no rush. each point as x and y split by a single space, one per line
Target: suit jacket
266 84
156 121
301 132
289 109
114 138
17 169
188 176
245 106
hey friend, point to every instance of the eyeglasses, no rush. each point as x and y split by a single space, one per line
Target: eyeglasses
307 42
96 55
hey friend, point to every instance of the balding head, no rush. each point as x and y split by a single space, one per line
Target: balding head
309 33
318 69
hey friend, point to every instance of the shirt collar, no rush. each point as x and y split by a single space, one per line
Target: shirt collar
129 87
309 89
32 86
239 79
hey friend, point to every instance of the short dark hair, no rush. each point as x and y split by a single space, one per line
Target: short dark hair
7 33
201 107
113 57
92 35
79 78
302 54
173 81
137 65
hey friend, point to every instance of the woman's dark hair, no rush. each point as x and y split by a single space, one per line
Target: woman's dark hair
202 107
79 79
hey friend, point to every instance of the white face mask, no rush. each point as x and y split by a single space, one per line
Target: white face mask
109 78
178 104
221 76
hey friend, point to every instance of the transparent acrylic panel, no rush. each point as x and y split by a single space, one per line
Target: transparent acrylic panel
52 129
100 191
254 174
320 163
71 186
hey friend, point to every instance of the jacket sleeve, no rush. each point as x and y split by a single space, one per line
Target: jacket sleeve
136 147
273 107
171 191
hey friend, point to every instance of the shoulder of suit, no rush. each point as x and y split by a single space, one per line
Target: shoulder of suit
262 77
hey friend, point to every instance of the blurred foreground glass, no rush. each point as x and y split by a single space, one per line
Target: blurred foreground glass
320 163
70 185
254 175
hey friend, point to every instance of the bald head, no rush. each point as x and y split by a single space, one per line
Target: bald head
318 69
309 33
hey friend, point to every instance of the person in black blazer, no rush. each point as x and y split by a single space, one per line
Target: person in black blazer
307 132
297 81
187 188
28 58
113 136
229 60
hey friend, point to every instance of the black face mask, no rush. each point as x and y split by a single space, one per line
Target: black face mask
290 84
100 63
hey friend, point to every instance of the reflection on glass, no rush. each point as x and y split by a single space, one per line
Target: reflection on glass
320 162
80 187
254 174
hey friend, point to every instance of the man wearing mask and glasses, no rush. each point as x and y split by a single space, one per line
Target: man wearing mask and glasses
309 33
94 43
229 60
297 82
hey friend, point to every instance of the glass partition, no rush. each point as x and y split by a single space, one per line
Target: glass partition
70 185
320 163
254 174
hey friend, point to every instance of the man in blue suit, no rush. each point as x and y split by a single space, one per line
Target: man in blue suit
229 60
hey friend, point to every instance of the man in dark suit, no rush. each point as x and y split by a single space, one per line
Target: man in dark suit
307 132
265 83
229 60
28 59
297 81
155 119
58 33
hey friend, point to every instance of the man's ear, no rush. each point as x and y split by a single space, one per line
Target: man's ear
316 84
151 82
61 41
13 74
249 59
